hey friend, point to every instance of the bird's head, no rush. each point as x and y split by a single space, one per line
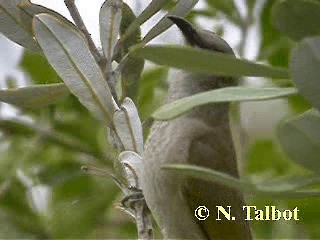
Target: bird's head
209 41
201 38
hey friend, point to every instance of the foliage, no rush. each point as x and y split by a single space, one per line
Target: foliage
43 154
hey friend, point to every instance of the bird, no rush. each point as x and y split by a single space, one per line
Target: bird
201 137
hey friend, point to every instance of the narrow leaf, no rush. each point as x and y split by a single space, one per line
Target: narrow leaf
300 139
68 53
12 28
203 61
130 77
211 175
291 183
152 90
34 96
128 126
110 19
131 71
305 69
153 7
229 94
128 17
297 18
131 163
182 8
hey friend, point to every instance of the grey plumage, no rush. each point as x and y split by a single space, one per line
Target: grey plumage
201 137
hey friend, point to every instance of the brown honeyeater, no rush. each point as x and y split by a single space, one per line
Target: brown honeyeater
201 137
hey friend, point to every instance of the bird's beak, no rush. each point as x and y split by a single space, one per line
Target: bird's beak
187 29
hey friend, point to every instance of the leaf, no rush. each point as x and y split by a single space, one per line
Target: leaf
182 8
12 28
274 46
132 164
38 68
128 17
228 94
203 61
298 104
27 10
297 18
152 90
300 139
211 175
153 7
290 183
130 76
227 7
110 19
264 156
131 71
305 69
67 51
128 126
34 96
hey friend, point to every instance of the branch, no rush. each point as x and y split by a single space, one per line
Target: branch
143 220
73 10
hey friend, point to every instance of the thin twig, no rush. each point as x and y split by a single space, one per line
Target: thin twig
143 220
80 24
104 173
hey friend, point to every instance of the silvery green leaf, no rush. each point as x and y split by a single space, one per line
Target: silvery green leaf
67 51
153 7
128 126
34 96
305 69
211 175
12 28
228 94
27 10
289 183
131 163
110 19
300 139
182 8
113 139
204 61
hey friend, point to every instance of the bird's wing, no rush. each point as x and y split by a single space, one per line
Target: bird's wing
210 152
